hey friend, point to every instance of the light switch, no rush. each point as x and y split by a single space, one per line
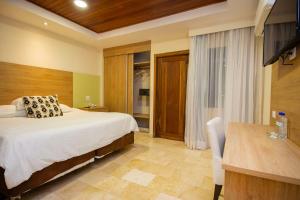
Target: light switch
274 114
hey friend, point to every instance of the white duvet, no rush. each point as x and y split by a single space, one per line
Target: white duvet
28 145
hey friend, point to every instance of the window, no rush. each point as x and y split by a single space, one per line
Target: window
216 76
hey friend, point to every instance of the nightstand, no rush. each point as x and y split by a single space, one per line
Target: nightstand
95 109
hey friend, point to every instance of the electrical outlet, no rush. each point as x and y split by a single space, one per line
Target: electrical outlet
274 114
292 54
87 98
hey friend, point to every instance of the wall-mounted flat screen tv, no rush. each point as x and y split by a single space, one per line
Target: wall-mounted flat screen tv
281 30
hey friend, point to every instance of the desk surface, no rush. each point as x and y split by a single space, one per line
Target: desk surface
248 150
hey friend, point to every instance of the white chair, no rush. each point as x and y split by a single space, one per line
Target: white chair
217 140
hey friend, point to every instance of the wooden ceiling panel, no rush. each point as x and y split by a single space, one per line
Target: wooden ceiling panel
106 15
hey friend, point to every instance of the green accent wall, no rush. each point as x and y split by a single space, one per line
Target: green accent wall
85 85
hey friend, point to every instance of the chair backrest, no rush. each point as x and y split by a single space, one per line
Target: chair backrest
217 136
217 140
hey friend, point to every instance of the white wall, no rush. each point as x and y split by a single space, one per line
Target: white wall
25 44
267 95
158 48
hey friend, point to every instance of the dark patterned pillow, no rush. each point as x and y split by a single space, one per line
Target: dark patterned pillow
42 106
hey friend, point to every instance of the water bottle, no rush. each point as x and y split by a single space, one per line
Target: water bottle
282 125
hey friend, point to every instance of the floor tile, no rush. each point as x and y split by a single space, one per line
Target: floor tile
79 190
163 196
152 168
137 192
138 177
196 193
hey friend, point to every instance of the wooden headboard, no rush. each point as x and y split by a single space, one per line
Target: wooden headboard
21 80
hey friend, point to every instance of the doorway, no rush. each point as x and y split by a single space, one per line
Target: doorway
170 94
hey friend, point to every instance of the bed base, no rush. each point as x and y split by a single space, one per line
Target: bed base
40 177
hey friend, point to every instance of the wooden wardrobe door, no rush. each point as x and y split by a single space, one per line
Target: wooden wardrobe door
130 75
171 75
115 83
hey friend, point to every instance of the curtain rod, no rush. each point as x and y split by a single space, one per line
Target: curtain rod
221 27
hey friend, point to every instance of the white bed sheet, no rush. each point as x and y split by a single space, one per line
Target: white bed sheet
28 145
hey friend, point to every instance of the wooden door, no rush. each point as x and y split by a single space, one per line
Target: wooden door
115 83
170 86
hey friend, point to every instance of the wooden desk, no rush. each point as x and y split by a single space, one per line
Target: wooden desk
258 167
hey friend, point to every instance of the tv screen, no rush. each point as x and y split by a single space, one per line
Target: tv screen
280 30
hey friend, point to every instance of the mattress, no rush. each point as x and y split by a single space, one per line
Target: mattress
28 145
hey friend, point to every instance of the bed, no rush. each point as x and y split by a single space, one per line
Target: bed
34 151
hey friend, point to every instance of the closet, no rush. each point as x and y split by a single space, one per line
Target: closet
127 81
141 91
115 83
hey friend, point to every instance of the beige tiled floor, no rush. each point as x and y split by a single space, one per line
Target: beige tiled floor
152 168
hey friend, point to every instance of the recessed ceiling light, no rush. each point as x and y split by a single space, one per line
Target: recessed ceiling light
45 23
80 3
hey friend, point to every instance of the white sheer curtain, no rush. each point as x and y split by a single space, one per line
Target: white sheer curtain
222 78
240 76
205 86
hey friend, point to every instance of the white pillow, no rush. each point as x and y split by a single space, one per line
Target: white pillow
18 103
20 113
7 111
64 108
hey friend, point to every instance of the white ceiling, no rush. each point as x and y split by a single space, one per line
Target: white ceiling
163 29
